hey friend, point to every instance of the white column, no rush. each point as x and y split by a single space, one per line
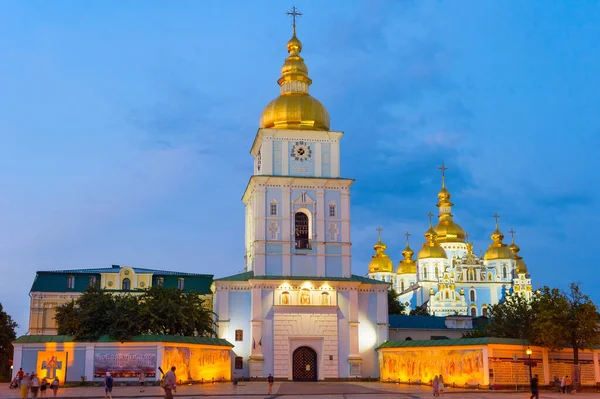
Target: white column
89 362
546 365
596 366
18 360
320 231
260 229
160 351
353 323
335 158
266 154
486 366
382 317
285 159
345 225
286 230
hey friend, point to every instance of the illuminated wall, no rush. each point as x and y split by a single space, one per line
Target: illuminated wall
51 364
194 363
125 363
423 364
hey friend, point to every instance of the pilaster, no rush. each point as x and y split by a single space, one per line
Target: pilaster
546 365
318 159
89 362
320 239
286 230
596 355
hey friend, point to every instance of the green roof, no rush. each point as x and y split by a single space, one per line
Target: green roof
417 322
36 339
250 276
453 342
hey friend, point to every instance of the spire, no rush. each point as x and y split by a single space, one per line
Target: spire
430 248
498 249
294 73
447 229
380 262
520 263
407 265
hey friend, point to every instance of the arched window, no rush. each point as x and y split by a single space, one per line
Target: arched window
285 298
447 295
425 272
473 312
402 286
489 276
484 311
325 299
472 295
408 339
301 229
273 208
504 274
304 297
126 284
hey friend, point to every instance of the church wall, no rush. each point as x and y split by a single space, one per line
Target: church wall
333 266
343 298
239 314
333 250
325 160
274 263
306 168
267 348
367 333
277 157
304 266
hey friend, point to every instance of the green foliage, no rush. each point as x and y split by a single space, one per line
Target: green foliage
7 335
567 318
420 311
394 306
158 310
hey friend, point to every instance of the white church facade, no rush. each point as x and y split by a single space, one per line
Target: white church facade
297 311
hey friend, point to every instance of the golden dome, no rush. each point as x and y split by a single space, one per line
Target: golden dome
497 249
408 264
294 108
380 262
521 266
431 249
447 230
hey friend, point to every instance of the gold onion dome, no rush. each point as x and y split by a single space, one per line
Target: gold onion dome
447 230
294 108
520 263
408 264
431 249
497 249
380 262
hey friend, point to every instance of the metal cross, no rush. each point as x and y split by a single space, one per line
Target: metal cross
443 169
496 217
430 216
295 13
512 233
407 234
379 230
467 235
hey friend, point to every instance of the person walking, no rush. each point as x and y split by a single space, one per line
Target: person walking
20 375
170 383
142 379
535 392
54 386
108 385
43 387
568 384
35 385
440 385
270 380
25 384
434 385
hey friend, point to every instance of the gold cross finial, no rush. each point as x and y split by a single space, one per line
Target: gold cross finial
512 233
430 216
379 230
467 235
443 168
295 13
407 234
496 217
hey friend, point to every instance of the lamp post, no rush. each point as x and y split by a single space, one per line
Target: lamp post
529 352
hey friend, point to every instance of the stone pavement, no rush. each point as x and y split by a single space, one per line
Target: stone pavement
289 390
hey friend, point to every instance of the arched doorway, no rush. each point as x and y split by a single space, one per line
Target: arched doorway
304 364
301 227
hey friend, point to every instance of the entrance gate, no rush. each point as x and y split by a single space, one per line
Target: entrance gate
304 364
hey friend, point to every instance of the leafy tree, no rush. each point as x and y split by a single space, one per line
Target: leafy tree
7 335
420 311
567 319
394 306
66 318
128 318
94 310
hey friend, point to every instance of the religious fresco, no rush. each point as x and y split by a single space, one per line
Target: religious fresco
125 364
51 364
195 364
456 366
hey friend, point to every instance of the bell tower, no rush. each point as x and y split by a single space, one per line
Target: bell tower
297 205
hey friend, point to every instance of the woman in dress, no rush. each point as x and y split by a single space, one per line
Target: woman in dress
43 388
435 386
142 381
25 384
440 385
54 386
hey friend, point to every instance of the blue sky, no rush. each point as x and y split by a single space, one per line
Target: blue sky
126 127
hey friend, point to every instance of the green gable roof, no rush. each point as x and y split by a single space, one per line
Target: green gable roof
250 276
417 322
452 342
37 339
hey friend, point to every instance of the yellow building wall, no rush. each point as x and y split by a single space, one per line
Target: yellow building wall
195 363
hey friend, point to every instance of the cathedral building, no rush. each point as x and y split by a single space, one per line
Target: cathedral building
447 277
297 311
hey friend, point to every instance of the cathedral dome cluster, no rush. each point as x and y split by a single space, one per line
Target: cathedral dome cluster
448 277
295 108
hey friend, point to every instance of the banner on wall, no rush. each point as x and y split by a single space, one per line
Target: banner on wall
124 364
52 364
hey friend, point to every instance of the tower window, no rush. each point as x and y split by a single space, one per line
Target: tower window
70 282
484 311
473 312
93 281
301 230
239 363
472 295
126 284
160 282
402 286
180 284
425 272
332 212
273 209
239 335
504 274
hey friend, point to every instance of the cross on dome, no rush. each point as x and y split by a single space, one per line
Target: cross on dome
443 168
430 216
295 13
496 216
379 230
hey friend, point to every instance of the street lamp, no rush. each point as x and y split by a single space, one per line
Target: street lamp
529 352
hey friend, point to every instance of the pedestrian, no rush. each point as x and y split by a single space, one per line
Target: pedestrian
234 379
20 375
25 384
43 388
568 384
142 379
270 380
35 385
440 385
563 383
170 384
108 385
557 383
434 384
54 386
535 392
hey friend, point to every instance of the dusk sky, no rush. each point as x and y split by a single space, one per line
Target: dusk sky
126 127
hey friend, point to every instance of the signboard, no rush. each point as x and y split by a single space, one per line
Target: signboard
51 364
124 364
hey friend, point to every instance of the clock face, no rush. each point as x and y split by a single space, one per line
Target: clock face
301 151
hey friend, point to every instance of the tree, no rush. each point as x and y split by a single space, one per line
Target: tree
511 318
66 318
420 311
94 310
567 319
7 336
394 306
